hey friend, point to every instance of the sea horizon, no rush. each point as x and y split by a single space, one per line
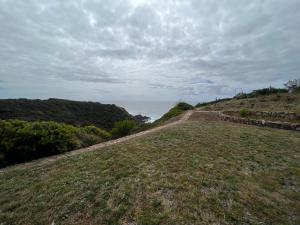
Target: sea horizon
152 109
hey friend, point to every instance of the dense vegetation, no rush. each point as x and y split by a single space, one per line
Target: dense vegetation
22 141
199 172
123 128
65 111
178 109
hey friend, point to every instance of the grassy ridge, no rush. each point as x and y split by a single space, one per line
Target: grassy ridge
196 173
275 102
177 110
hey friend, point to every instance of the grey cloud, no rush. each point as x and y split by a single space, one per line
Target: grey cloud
1 82
94 79
188 47
160 85
103 91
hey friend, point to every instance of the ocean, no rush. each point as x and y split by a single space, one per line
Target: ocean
152 109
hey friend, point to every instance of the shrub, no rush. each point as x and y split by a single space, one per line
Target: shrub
293 85
184 106
22 141
97 131
123 128
90 135
244 112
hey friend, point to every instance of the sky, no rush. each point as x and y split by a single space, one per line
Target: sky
154 50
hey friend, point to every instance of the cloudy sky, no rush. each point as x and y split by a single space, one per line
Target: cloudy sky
168 50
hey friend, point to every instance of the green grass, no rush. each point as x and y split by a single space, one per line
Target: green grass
195 173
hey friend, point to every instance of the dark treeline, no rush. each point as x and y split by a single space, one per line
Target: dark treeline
64 111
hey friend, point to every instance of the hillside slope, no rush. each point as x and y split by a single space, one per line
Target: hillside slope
275 102
66 111
200 172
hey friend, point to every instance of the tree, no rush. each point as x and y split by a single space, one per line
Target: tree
293 85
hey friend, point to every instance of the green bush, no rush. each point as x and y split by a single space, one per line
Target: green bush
244 112
97 131
22 141
123 128
184 106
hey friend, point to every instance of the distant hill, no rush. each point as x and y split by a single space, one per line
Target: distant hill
66 111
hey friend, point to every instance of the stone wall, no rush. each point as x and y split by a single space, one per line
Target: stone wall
264 123
275 115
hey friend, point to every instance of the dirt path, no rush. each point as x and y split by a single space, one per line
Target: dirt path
53 158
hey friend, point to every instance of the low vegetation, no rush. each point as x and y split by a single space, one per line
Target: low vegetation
199 172
244 112
123 128
22 141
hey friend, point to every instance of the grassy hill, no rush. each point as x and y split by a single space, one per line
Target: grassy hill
65 111
274 102
199 172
